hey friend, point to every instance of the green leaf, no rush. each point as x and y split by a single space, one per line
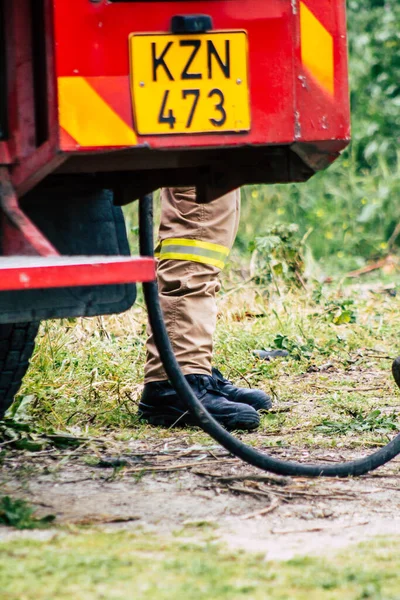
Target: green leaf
344 316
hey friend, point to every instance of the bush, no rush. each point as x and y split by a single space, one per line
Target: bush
351 210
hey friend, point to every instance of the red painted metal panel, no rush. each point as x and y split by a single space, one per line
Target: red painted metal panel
92 42
39 161
8 148
18 234
30 261
32 161
22 91
27 273
88 41
322 116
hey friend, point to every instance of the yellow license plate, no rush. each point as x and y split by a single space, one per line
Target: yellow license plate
190 83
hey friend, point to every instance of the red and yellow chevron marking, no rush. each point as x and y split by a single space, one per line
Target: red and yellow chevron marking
88 119
96 112
317 50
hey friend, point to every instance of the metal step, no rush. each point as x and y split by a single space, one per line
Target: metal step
39 272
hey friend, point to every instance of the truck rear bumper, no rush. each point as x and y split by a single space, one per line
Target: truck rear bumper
64 253
31 272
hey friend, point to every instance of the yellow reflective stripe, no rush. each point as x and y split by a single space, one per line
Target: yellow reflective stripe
317 49
193 257
206 253
88 118
195 244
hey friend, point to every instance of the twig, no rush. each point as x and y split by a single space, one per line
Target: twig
380 475
8 443
347 389
334 496
73 438
380 356
93 519
374 350
228 478
394 236
175 467
238 287
240 375
269 478
277 410
175 423
75 480
245 490
312 529
66 457
379 264
264 511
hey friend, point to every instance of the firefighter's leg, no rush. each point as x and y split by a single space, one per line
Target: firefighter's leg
194 242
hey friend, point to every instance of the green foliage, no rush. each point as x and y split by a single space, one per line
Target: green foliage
19 514
34 438
340 312
302 347
374 43
90 374
278 254
350 210
298 348
361 422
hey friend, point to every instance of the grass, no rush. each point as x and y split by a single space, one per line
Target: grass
120 565
334 388
87 363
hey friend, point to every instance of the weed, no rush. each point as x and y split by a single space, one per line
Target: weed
340 312
19 514
373 421
298 348
34 438
278 254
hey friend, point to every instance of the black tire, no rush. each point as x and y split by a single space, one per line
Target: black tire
17 342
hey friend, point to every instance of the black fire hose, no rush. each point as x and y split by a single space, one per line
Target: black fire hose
206 422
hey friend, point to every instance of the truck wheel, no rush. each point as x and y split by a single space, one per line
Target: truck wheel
17 342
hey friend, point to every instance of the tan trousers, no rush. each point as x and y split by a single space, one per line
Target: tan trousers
194 242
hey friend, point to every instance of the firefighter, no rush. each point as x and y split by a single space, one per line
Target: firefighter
194 243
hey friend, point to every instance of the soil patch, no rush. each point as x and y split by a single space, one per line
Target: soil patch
177 484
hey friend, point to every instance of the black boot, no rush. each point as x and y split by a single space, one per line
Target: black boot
160 405
258 399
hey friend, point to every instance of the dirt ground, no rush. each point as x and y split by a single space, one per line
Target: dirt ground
172 484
